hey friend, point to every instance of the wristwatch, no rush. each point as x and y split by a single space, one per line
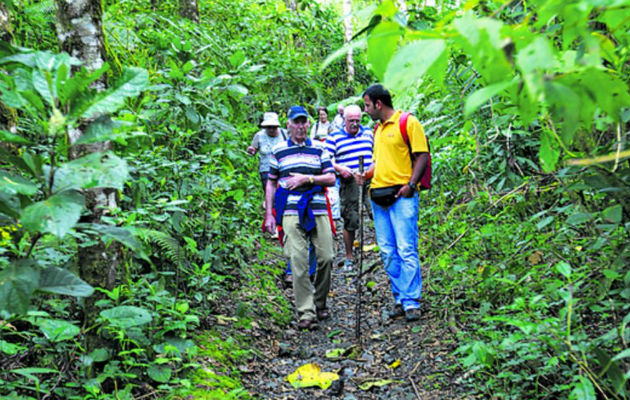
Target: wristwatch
412 186
310 179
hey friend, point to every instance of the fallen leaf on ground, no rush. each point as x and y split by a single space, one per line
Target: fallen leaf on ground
368 384
311 375
394 365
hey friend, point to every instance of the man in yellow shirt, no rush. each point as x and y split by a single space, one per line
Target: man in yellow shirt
395 174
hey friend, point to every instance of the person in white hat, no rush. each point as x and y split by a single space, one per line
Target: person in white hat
264 141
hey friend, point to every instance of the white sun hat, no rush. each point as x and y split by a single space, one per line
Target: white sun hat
270 119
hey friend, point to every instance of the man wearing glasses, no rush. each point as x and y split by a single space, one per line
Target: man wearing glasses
345 147
299 170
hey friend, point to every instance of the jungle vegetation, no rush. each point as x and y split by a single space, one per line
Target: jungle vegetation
130 212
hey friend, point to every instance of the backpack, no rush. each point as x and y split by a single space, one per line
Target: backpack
425 179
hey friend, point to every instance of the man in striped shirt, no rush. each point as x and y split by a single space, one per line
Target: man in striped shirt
345 147
299 170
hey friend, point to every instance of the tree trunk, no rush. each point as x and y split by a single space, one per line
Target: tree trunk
291 4
8 116
347 12
80 33
189 9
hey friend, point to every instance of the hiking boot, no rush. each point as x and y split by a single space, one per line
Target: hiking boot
323 313
396 312
413 314
307 324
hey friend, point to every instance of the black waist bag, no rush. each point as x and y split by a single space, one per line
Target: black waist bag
385 196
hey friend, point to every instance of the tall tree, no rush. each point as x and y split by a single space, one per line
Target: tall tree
7 114
347 12
80 33
189 9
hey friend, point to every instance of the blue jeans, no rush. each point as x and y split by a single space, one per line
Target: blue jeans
396 229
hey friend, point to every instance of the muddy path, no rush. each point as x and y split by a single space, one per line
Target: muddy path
410 360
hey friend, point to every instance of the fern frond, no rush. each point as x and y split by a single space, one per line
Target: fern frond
168 245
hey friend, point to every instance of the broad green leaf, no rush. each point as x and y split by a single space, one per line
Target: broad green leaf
534 61
61 281
548 153
613 214
17 283
237 58
159 373
481 96
311 375
56 215
564 268
126 316
95 170
412 61
30 372
355 44
103 129
121 235
57 330
11 349
382 43
9 205
624 354
481 39
565 106
8 137
12 184
582 390
41 84
578 218
132 83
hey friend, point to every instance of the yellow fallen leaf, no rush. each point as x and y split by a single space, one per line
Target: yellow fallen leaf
311 375
369 247
394 365
370 383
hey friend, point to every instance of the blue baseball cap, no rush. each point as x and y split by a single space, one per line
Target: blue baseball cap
295 112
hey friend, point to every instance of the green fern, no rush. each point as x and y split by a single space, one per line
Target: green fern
169 245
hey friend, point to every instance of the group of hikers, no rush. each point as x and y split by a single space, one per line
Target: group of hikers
296 168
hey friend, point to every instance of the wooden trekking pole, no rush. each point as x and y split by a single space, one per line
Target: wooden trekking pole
357 328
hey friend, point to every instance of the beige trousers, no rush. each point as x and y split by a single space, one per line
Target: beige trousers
296 250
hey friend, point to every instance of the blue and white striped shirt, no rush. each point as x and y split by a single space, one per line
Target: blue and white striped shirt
345 149
309 158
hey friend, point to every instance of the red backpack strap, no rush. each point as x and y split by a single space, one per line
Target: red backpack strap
403 128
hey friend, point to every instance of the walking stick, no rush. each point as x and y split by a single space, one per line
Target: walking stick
357 328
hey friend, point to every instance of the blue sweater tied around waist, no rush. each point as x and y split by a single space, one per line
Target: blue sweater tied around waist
305 212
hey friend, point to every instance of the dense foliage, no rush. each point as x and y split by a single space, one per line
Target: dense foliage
527 247
525 232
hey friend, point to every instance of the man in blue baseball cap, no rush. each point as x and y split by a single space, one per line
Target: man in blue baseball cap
299 170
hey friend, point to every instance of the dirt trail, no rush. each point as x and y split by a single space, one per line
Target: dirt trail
415 356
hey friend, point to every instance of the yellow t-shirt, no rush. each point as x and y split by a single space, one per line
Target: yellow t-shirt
391 154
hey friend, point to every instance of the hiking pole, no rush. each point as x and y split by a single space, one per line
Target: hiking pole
357 328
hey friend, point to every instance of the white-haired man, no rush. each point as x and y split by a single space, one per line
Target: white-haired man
345 146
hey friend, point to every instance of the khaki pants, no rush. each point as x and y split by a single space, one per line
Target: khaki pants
296 250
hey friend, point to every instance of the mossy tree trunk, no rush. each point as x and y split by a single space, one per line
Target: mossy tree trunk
80 33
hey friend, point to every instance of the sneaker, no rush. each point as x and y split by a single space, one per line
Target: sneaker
396 312
413 314
307 324
348 266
